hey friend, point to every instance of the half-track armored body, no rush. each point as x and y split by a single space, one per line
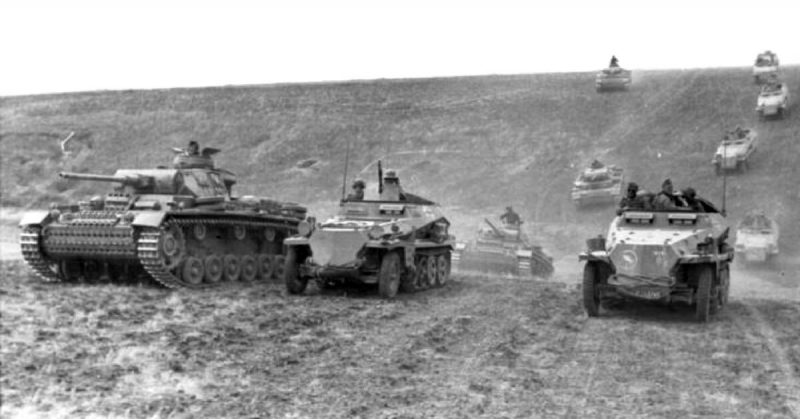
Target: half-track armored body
773 100
766 66
756 238
502 249
181 226
612 78
677 256
734 150
597 184
399 244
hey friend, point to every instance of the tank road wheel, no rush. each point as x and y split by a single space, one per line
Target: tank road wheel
249 268
233 268
280 265
591 290
213 269
705 277
266 266
430 270
442 269
199 231
239 232
193 270
295 284
389 275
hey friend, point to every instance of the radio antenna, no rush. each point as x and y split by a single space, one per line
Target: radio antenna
346 164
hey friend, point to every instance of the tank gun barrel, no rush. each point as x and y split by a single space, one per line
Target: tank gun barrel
135 181
495 229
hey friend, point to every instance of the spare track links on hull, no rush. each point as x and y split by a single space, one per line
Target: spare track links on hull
29 241
163 253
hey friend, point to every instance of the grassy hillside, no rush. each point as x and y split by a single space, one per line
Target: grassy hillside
474 144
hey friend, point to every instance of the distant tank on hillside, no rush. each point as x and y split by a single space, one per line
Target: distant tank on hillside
735 150
597 184
613 78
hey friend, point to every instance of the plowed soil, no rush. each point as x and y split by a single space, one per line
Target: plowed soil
481 346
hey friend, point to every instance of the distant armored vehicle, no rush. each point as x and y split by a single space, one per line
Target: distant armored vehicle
756 238
181 226
666 256
612 78
773 100
597 184
766 66
397 244
735 150
503 249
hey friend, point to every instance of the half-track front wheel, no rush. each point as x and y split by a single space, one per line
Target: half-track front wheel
591 289
389 275
705 277
295 284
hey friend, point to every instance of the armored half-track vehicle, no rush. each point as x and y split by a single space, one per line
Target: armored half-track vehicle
181 226
678 256
773 100
612 78
735 150
765 67
756 238
598 184
398 245
502 249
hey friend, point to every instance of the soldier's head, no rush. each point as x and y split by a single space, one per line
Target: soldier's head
391 177
194 148
689 193
632 189
666 187
509 209
359 184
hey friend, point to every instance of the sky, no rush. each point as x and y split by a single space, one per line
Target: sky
51 46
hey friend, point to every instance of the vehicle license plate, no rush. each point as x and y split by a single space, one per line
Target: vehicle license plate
647 294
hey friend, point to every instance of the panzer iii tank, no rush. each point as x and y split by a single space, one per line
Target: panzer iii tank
397 244
612 78
597 184
502 250
667 256
181 226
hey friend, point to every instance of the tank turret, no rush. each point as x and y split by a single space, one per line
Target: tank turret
181 226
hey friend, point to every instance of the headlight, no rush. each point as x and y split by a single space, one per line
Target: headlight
304 228
375 233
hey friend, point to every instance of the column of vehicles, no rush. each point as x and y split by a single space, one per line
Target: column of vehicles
183 227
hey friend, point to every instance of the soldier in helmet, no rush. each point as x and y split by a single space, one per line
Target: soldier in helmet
631 200
667 200
690 196
392 191
596 164
614 62
193 149
510 217
358 191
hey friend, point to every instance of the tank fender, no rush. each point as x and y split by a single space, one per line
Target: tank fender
595 256
523 253
149 219
35 217
296 241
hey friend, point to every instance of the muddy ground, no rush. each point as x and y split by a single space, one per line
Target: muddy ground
479 347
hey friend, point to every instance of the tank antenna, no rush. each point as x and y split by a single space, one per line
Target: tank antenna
344 177
380 177
724 174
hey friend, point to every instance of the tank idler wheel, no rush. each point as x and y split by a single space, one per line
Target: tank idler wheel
280 265
266 267
249 268
389 275
193 270
703 293
295 284
233 268
591 291
442 269
239 232
213 269
430 270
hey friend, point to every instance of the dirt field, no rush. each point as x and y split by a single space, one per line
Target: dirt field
480 347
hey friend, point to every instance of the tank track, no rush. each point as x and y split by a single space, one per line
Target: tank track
29 243
154 264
